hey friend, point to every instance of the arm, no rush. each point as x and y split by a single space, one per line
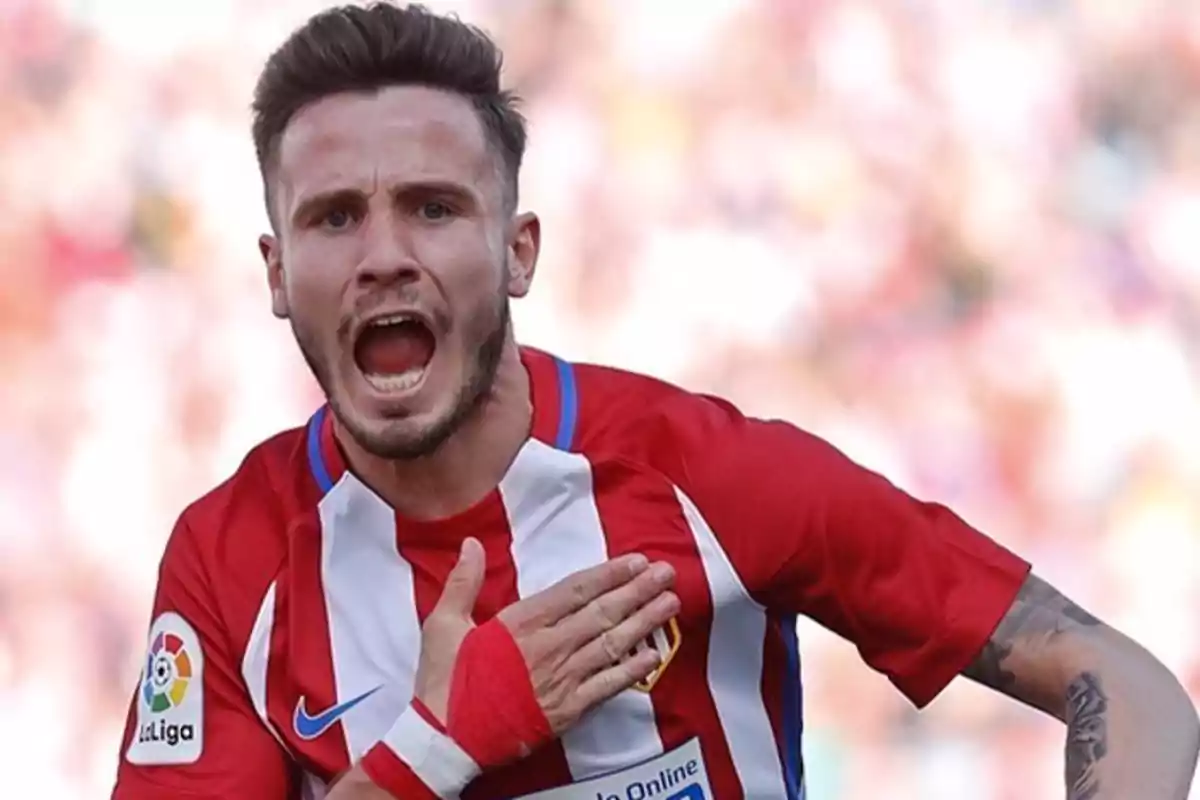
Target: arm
191 732
1131 729
924 597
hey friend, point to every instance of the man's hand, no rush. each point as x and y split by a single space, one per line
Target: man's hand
575 636
573 646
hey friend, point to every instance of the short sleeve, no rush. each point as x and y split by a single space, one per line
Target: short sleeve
191 730
913 586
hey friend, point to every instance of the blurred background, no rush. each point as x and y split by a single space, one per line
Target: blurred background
958 238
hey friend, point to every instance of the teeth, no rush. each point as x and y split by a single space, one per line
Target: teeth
400 382
394 319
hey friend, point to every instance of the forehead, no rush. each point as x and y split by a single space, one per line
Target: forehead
396 135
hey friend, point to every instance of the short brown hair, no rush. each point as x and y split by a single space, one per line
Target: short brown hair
364 49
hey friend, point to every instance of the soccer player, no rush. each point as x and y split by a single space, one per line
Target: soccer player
483 570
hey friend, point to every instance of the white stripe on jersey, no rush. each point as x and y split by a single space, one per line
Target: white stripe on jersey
556 530
735 665
256 658
374 630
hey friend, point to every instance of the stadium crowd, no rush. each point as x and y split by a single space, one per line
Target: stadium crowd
958 238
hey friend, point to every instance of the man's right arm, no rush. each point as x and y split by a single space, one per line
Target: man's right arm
191 731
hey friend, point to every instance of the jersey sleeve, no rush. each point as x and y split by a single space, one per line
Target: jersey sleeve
192 731
914 587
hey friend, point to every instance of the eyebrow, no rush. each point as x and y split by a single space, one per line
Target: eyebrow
322 200
429 188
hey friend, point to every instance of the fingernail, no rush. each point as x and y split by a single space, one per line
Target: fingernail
662 572
638 563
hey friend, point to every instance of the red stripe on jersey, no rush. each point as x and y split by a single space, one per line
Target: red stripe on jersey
641 513
301 655
432 548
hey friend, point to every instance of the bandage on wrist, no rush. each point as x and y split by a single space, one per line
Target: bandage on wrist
416 761
494 712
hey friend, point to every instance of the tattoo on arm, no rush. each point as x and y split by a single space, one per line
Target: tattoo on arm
1087 735
1019 661
1038 615
988 667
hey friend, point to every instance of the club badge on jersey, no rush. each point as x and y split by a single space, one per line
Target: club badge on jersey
666 641
170 706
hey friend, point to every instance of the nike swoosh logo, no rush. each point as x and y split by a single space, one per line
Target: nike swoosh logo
310 726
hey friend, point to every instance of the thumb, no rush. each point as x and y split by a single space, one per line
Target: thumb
464 582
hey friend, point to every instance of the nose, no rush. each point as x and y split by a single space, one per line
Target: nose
388 256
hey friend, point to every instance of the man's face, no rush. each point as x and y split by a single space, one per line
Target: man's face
395 259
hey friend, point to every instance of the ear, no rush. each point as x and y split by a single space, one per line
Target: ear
523 248
272 256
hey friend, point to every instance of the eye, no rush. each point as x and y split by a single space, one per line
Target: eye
435 211
337 219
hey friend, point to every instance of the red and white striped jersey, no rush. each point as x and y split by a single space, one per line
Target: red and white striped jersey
287 620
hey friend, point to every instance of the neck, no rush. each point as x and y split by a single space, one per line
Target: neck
468 465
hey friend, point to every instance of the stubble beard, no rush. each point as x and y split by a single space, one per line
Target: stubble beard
398 441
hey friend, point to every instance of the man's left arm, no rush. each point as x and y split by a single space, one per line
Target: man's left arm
1132 731
926 597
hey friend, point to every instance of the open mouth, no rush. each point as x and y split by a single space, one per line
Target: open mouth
393 352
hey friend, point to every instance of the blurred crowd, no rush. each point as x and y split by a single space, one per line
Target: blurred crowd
958 238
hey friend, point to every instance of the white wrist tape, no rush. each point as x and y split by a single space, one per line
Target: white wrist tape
433 756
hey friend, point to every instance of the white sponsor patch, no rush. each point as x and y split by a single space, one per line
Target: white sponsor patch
677 775
170 702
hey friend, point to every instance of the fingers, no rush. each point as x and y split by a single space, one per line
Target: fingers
612 681
464 582
609 610
614 644
574 592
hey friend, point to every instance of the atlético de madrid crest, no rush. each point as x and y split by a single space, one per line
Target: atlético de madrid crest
666 641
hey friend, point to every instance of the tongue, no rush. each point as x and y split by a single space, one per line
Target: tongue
394 349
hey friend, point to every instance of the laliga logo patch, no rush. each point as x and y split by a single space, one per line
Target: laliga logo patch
170 708
666 641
